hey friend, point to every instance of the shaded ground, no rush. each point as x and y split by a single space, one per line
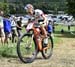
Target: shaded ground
63 56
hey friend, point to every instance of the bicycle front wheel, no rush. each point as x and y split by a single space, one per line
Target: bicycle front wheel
26 48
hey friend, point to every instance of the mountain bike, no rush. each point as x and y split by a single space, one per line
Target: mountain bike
31 43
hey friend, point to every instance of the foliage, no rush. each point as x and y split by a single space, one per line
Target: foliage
71 7
17 6
4 7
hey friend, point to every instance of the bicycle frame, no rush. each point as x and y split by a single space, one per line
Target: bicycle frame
37 35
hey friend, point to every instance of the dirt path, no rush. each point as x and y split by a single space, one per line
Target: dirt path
63 56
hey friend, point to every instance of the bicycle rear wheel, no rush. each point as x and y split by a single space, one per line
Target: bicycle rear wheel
47 51
26 48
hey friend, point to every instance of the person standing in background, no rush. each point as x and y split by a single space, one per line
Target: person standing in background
19 27
7 28
13 28
2 35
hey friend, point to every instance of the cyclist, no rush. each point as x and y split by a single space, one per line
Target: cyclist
38 14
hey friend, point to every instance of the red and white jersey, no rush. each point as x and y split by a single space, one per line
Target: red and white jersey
38 13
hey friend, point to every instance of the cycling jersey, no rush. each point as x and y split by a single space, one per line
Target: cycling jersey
37 15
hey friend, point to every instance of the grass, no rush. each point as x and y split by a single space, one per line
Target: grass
6 51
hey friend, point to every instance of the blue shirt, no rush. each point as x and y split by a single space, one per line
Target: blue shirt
7 25
49 27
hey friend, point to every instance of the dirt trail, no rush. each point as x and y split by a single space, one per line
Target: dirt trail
63 56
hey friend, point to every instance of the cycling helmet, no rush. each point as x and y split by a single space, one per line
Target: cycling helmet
28 6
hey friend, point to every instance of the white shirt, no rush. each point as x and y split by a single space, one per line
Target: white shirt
1 21
13 23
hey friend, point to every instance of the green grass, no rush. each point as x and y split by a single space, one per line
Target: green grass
66 34
6 51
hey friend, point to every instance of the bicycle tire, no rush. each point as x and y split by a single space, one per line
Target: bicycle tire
45 56
24 59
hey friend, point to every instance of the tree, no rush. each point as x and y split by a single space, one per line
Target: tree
12 9
71 7
4 7
17 6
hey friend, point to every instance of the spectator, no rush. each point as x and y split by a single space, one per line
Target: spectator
1 27
19 27
13 28
7 27
49 27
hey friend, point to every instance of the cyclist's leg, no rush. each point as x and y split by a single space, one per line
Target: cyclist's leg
44 32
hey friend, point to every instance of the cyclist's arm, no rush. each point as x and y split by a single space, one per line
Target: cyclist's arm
45 19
